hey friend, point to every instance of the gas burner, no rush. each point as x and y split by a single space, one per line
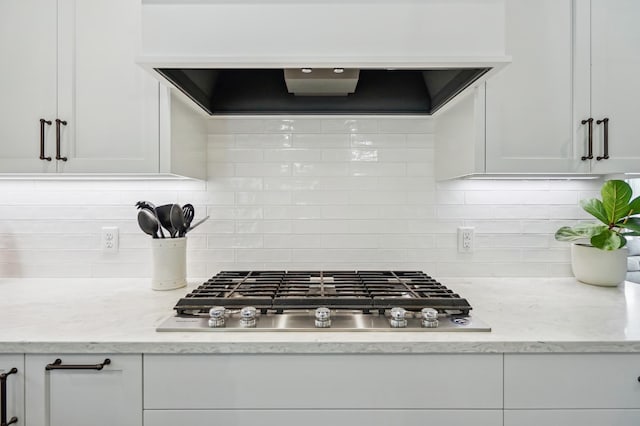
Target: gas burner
322 300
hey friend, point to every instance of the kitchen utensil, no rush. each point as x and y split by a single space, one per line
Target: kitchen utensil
146 205
148 222
196 224
188 212
176 217
164 217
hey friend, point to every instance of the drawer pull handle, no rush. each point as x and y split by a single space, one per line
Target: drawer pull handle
58 123
58 365
3 399
589 156
604 121
42 123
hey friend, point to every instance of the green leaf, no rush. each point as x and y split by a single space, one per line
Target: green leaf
580 231
634 206
632 223
596 209
631 234
608 240
616 195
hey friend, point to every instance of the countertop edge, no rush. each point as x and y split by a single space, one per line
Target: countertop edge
318 347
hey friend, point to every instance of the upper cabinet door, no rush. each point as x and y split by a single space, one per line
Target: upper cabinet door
28 84
109 103
615 83
529 114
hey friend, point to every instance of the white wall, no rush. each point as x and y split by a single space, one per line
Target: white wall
293 193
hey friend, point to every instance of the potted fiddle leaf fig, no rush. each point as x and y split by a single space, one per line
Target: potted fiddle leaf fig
603 261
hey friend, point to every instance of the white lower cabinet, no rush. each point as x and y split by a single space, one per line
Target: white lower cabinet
572 417
319 389
73 391
12 392
323 417
572 389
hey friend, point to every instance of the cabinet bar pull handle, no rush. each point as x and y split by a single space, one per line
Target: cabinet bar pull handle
3 397
590 122
57 365
42 123
58 123
605 121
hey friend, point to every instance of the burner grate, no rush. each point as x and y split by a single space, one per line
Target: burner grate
358 290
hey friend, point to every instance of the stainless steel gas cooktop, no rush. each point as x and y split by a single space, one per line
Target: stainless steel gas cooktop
322 300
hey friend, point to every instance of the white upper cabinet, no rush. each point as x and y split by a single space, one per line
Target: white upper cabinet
71 63
529 121
110 104
615 84
28 84
574 67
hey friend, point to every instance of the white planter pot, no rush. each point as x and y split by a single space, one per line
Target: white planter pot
599 267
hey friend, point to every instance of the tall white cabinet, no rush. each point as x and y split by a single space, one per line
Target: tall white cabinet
74 61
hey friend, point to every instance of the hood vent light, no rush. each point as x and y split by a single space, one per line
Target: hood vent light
321 82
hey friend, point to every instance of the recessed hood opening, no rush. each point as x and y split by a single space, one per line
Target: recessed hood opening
264 91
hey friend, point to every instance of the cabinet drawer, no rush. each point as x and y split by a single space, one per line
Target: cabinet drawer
65 393
322 381
322 417
571 417
572 381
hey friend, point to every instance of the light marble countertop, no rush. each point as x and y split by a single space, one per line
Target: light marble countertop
120 316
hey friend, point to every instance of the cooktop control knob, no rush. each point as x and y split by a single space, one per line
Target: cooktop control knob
216 317
398 318
429 317
248 317
323 318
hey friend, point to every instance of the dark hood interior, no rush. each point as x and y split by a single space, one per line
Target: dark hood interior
378 91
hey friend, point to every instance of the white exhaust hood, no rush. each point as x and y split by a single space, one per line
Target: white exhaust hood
408 56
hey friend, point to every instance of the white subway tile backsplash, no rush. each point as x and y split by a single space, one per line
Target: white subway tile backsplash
421 140
292 125
377 140
300 193
227 126
406 125
321 198
260 141
263 255
349 125
263 169
321 141
293 212
320 169
320 226
284 155
292 241
377 169
263 198
235 155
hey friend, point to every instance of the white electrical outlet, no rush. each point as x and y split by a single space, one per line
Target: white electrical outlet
109 240
465 239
